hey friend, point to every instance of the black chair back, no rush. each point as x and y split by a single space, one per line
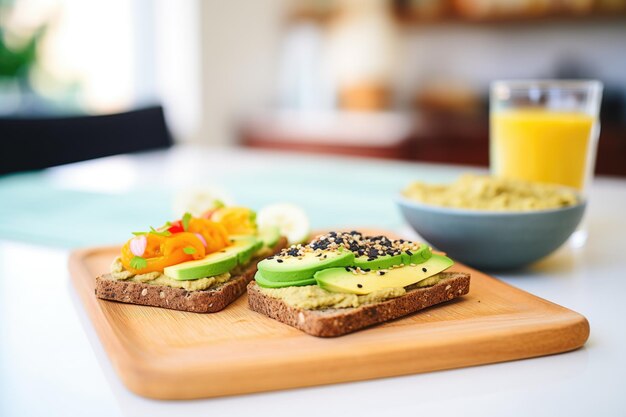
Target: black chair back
27 144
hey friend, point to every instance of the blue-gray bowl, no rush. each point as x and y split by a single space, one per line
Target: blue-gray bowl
493 240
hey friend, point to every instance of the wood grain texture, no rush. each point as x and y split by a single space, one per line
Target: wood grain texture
169 354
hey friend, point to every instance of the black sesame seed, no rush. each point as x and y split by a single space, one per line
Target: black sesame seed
367 269
382 273
424 269
359 285
408 252
347 269
280 261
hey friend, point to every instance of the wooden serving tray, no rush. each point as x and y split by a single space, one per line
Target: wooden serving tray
168 354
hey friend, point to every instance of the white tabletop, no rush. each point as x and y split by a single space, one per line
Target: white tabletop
52 362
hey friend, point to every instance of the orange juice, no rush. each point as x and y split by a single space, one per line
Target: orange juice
541 145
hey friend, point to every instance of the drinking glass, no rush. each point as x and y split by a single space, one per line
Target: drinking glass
545 131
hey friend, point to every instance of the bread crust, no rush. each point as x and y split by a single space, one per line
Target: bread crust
211 300
337 322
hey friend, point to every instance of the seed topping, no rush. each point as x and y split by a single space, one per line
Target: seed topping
370 247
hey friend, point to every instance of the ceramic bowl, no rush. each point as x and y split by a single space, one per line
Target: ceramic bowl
493 240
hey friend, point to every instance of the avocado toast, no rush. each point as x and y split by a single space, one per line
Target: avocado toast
342 282
193 264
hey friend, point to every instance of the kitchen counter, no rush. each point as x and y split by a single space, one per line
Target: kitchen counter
52 362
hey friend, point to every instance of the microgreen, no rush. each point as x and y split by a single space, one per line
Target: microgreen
189 250
218 204
139 233
164 233
185 221
138 262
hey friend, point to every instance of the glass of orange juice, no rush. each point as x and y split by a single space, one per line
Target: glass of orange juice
545 131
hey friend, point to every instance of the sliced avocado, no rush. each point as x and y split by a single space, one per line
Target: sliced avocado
246 254
300 268
257 246
269 235
279 284
345 281
422 254
382 262
215 263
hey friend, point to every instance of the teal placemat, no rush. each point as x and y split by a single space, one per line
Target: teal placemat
35 208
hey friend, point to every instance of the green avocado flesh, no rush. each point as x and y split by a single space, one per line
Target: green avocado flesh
341 280
422 254
298 269
382 262
216 263
269 236
246 254
263 282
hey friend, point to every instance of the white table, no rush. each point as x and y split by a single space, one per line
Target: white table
52 363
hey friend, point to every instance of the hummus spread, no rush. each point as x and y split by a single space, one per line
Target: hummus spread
489 193
156 278
312 297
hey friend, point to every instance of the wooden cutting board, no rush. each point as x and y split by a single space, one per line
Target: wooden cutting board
168 354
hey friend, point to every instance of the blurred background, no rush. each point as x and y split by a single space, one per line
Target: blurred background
395 79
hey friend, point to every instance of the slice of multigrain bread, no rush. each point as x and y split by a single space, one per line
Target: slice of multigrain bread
204 301
337 322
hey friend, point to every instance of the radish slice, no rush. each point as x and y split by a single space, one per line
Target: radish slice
201 238
138 245
290 219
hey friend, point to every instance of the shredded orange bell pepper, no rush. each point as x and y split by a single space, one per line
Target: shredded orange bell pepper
163 251
214 233
202 237
236 220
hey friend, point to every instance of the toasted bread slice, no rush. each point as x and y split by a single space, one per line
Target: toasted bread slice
339 321
205 301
